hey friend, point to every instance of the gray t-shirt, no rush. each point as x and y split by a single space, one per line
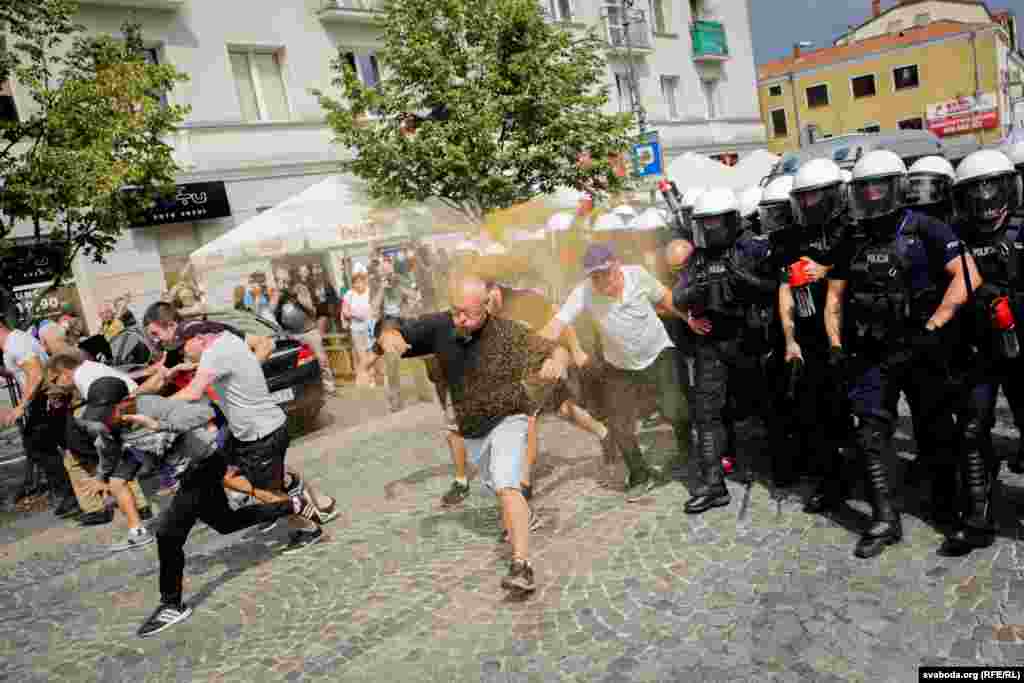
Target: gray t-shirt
241 388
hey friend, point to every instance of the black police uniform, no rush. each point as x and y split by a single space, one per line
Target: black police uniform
815 409
999 257
894 268
721 286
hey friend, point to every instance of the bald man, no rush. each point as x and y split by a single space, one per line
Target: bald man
487 362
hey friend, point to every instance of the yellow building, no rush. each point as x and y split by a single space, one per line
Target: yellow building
945 76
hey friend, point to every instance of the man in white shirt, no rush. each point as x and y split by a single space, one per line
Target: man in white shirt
624 302
24 361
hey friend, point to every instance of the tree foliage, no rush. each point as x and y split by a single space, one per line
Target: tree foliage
515 102
90 154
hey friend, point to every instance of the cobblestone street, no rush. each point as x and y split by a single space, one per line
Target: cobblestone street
401 590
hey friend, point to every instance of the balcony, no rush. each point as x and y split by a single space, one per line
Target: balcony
137 4
352 11
709 44
639 35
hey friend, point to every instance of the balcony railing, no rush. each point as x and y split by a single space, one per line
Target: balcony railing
639 35
355 11
138 4
709 41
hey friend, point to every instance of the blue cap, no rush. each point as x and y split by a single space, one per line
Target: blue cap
598 257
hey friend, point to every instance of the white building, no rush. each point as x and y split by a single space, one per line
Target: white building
256 128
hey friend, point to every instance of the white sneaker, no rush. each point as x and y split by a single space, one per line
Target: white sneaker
137 538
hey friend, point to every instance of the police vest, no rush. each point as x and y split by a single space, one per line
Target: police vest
883 304
998 261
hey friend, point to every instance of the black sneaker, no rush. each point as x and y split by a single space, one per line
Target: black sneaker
146 514
68 508
164 617
456 495
303 538
520 577
296 487
97 518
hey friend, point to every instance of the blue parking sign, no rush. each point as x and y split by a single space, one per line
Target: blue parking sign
647 156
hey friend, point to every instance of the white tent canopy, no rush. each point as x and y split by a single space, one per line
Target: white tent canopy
753 167
693 169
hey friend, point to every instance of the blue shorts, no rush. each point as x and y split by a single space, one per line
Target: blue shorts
500 454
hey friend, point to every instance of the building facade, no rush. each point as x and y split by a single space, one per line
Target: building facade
257 136
950 77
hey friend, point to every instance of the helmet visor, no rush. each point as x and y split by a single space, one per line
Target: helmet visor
985 199
925 190
819 206
874 197
775 216
716 232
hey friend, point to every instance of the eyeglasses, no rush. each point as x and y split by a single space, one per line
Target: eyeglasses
468 314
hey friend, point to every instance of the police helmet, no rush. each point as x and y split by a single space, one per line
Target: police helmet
750 199
876 190
929 181
987 185
775 209
716 219
1015 153
292 317
818 195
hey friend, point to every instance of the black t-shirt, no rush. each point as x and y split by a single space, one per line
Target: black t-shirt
791 245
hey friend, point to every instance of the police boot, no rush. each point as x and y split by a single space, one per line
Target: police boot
714 494
1015 461
885 528
977 528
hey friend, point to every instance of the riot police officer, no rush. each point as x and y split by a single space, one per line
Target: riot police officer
774 211
818 201
987 190
750 200
896 286
929 185
717 291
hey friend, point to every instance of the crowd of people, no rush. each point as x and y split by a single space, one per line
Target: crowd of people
813 304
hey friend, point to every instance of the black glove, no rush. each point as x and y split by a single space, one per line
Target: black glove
683 297
837 358
927 346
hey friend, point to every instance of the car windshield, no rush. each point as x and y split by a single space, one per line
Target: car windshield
842 154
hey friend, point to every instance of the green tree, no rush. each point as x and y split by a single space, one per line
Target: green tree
514 104
90 154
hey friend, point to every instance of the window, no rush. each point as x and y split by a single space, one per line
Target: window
863 86
8 110
922 19
696 10
775 91
615 19
670 91
817 96
622 86
365 66
779 127
870 128
153 57
912 124
710 88
904 77
660 20
260 85
560 10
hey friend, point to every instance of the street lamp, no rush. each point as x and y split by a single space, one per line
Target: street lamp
630 16
797 47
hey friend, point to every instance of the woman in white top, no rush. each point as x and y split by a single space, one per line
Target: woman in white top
355 309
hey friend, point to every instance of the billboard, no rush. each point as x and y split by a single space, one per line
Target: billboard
963 114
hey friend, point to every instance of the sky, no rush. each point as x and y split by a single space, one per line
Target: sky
778 24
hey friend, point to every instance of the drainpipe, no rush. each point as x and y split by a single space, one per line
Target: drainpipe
796 110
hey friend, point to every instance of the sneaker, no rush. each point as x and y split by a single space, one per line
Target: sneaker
97 518
527 490
303 538
164 617
456 495
520 577
137 538
146 514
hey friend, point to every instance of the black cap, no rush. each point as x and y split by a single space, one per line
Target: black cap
104 394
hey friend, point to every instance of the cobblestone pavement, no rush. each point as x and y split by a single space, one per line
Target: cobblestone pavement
402 590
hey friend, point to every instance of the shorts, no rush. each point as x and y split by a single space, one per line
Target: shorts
261 461
362 340
501 453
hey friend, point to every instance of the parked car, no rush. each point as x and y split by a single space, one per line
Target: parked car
292 371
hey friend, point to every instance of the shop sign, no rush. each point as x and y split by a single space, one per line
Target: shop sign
963 114
23 265
50 304
190 202
365 232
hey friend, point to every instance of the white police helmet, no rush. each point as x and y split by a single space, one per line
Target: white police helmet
775 208
877 186
818 195
716 219
749 201
929 181
987 186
